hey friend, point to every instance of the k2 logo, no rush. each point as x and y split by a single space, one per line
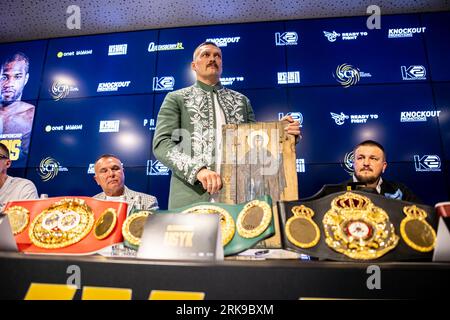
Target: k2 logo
427 163
286 38
414 73
156 168
163 83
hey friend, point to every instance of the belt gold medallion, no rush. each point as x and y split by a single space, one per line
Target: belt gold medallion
64 223
416 231
226 220
357 228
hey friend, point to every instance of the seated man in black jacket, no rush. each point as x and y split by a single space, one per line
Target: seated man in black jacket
369 164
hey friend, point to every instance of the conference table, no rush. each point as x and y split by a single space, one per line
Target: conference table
269 279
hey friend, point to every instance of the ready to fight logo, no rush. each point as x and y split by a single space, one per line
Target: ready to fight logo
333 36
339 119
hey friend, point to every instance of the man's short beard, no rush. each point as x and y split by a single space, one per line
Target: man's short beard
366 179
10 101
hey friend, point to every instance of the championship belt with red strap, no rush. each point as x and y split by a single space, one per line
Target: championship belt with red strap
349 226
66 225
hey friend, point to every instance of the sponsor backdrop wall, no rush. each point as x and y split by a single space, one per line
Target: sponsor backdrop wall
343 82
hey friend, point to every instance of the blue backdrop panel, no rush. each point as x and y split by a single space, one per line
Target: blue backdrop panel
336 119
442 95
437 42
316 175
101 94
249 51
427 183
99 65
325 44
77 181
75 132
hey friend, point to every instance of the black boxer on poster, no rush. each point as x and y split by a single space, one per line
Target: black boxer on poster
16 116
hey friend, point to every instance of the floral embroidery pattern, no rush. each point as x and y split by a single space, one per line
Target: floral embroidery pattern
199 104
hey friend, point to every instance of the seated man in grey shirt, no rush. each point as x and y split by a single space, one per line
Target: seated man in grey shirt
13 188
110 176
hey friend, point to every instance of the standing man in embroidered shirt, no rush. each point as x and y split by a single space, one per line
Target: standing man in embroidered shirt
12 188
188 123
110 176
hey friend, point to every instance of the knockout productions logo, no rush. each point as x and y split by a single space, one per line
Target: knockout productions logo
339 119
49 169
223 42
405 32
418 116
427 163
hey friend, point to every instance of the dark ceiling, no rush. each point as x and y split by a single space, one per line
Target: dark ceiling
27 20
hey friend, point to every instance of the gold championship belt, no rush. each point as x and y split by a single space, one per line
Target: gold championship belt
133 227
254 219
416 231
300 229
105 224
19 217
226 220
64 223
357 228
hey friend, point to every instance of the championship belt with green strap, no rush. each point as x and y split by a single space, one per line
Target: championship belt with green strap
242 225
